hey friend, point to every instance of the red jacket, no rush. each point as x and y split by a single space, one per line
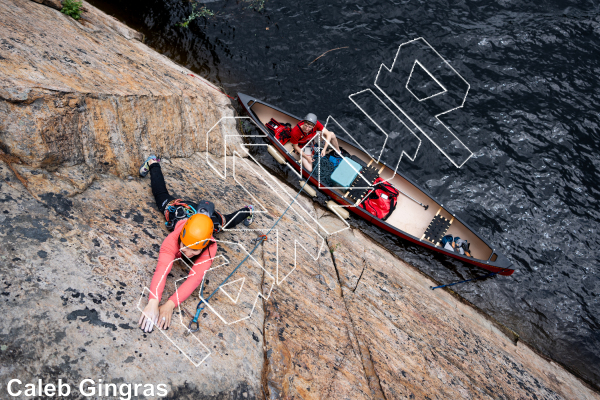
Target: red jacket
300 138
169 252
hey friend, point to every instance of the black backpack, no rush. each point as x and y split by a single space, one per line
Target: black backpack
208 208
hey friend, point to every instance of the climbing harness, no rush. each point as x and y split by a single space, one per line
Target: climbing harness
194 326
177 210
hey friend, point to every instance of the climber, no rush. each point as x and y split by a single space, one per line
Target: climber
302 133
191 239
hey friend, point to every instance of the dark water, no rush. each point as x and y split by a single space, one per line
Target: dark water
531 120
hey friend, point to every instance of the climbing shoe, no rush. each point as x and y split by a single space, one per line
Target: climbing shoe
146 166
249 219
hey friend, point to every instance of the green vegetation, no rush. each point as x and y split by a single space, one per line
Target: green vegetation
72 8
334 248
257 5
202 12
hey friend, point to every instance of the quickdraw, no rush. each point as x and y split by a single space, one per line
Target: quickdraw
261 238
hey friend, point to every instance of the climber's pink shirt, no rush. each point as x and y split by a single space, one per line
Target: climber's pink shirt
169 251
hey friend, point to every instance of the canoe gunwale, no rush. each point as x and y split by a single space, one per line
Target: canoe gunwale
502 265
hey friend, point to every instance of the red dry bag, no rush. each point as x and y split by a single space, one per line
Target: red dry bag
381 202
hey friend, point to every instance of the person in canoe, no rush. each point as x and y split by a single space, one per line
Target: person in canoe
192 225
302 133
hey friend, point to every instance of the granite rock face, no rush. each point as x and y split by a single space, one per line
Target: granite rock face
90 93
318 312
425 343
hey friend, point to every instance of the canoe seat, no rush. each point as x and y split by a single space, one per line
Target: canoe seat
369 174
437 229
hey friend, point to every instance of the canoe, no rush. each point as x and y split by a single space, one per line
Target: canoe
409 220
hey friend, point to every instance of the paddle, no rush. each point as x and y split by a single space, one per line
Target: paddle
419 203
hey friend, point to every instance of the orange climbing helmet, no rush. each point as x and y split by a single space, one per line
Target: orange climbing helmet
196 232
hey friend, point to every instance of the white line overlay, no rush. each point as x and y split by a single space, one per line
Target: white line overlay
448 103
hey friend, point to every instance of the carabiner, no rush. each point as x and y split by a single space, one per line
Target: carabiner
194 321
180 212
